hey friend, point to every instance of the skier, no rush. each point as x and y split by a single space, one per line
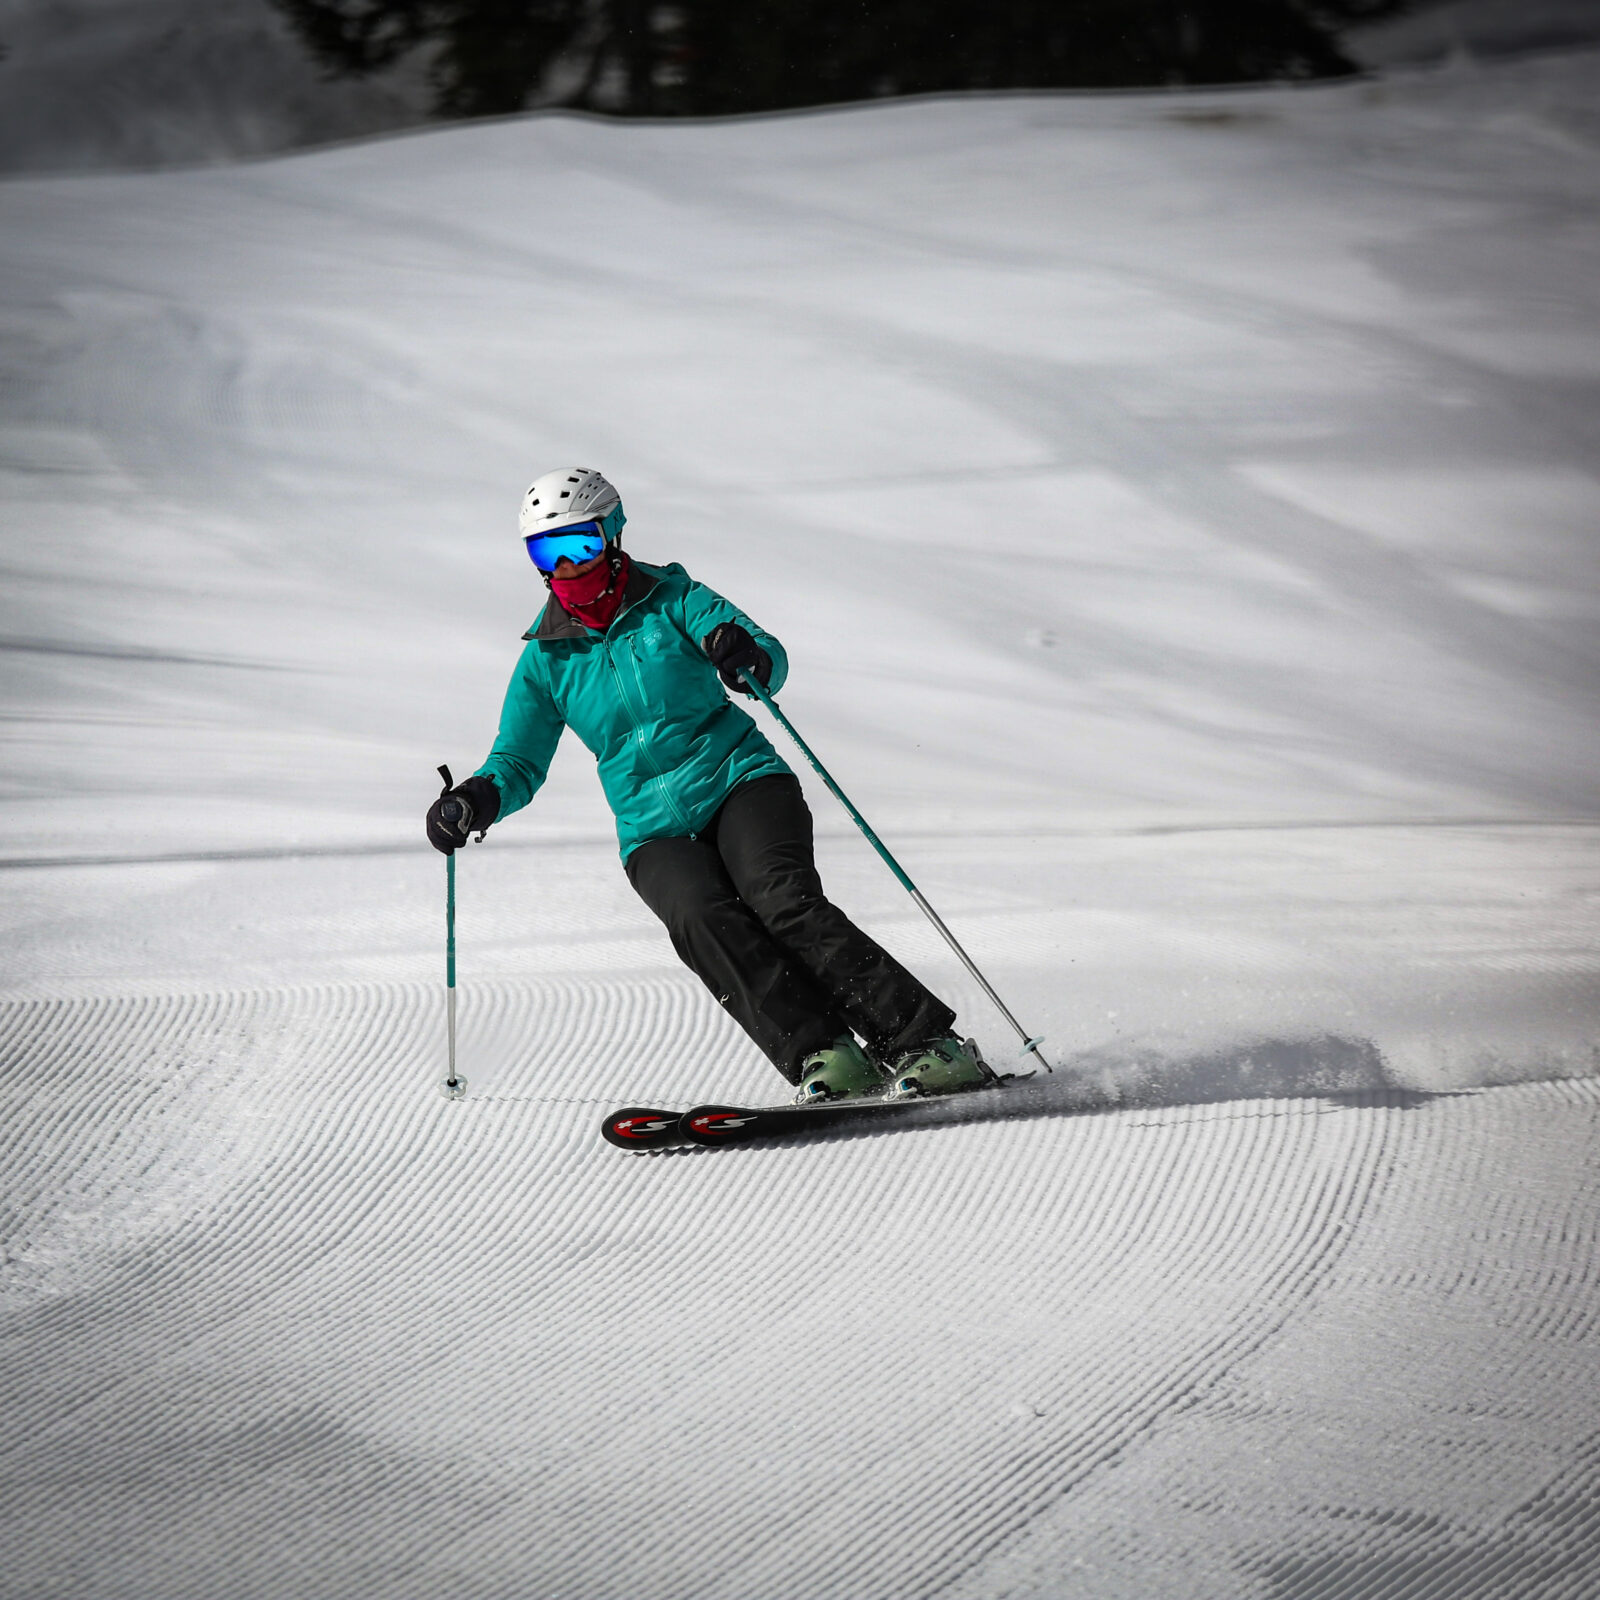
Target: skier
714 831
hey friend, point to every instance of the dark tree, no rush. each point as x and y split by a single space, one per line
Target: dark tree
488 54
706 57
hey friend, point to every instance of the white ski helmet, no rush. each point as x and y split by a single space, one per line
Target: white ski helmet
570 494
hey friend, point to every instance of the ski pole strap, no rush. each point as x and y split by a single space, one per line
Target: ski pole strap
827 777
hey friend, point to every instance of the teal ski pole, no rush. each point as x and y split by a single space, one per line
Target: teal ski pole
1030 1043
454 1086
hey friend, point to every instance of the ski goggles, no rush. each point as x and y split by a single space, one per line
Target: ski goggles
577 542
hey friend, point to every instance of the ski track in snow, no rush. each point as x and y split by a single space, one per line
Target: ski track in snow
306 1333
1268 795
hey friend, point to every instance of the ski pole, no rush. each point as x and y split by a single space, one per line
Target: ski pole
1029 1043
454 1087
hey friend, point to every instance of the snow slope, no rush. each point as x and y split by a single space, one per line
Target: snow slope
1181 515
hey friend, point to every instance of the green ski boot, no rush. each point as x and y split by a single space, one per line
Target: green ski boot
942 1067
842 1068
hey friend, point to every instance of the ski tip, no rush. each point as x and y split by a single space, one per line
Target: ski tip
719 1124
640 1127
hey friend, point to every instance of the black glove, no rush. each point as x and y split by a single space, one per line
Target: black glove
731 647
458 811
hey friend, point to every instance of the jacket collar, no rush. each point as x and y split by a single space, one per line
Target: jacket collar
554 623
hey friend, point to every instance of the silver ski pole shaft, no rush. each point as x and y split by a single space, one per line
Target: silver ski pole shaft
454 1086
1030 1043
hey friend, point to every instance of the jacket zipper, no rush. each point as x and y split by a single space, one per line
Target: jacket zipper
638 731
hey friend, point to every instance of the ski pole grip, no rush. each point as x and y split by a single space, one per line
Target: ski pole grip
449 782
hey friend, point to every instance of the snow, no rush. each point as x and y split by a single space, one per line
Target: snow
1180 514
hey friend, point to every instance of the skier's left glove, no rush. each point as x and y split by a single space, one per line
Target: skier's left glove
730 648
470 806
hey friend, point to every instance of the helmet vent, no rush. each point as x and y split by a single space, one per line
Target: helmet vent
568 493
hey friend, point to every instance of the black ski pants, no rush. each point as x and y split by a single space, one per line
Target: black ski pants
745 910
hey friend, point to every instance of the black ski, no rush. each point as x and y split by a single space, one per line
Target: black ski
641 1127
714 1125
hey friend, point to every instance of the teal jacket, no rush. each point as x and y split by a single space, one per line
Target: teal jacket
644 697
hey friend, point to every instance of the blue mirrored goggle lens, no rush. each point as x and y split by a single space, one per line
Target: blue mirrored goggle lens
577 542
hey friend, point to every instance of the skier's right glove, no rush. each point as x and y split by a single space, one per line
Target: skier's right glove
470 806
730 647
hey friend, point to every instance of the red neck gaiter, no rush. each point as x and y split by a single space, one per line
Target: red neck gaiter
593 598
